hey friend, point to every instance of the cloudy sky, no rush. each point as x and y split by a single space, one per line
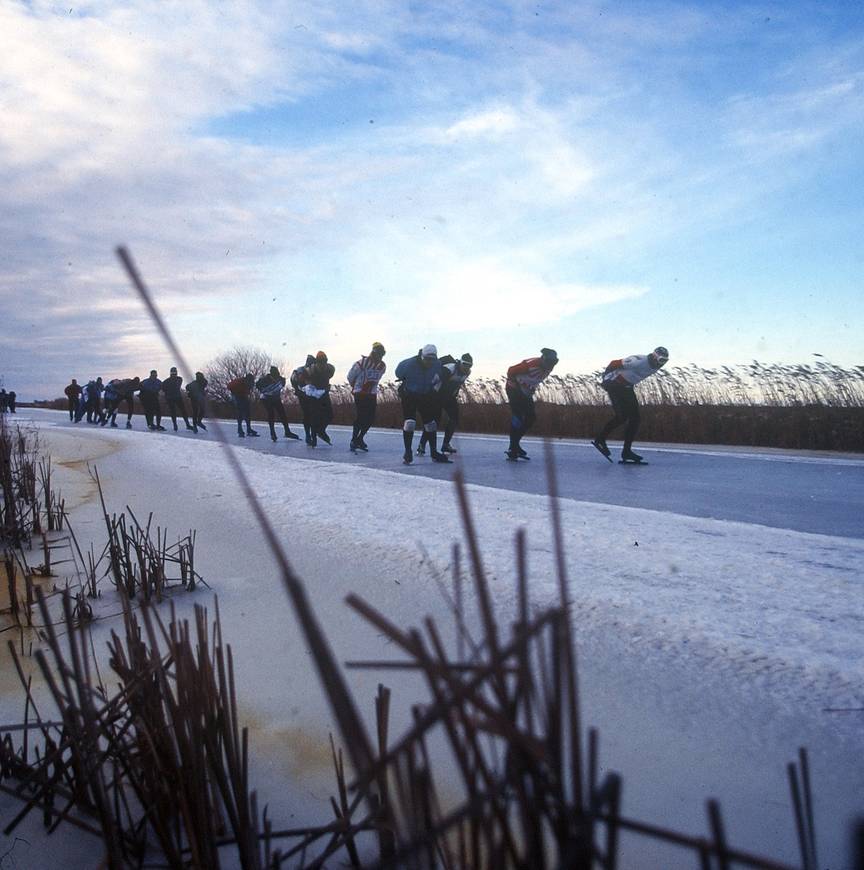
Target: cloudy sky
488 176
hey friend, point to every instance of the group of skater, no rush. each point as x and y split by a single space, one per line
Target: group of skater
429 389
7 401
100 403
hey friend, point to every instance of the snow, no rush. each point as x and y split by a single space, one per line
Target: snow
709 649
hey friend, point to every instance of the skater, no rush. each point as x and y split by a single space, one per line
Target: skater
95 402
317 391
174 399
241 391
421 381
149 395
619 378
270 388
118 391
455 374
82 402
299 379
111 397
11 399
92 405
73 394
364 377
522 381
197 392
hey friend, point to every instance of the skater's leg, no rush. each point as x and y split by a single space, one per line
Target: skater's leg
620 405
451 406
370 404
522 416
271 418
409 424
355 429
632 422
325 414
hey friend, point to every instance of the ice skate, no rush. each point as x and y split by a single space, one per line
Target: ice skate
601 445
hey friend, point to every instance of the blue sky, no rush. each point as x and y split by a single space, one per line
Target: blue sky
490 177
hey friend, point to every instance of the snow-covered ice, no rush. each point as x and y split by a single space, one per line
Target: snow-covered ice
709 649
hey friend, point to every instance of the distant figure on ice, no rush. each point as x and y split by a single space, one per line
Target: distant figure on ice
82 402
455 373
111 398
171 387
11 399
299 379
421 377
619 378
95 403
316 387
197 392
149 395
118 391
90 403
73 394
364 377
241 392
522 381
270 388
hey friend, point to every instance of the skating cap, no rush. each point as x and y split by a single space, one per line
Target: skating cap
321 356
549 355
378 348
662 354
429 352
467 360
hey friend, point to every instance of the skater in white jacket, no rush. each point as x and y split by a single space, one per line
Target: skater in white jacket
619 378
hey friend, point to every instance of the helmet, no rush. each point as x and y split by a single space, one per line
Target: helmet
549 357
429 351
661 354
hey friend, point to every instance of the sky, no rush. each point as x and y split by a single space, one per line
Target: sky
491 177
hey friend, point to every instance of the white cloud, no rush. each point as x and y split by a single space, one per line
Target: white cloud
502 154
492 122
497 297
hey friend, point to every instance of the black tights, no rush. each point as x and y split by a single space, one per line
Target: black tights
626 409
365 407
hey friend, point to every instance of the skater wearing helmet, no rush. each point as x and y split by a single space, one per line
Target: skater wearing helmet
364 377
312 385
522 381
455 373
619 379
421 382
